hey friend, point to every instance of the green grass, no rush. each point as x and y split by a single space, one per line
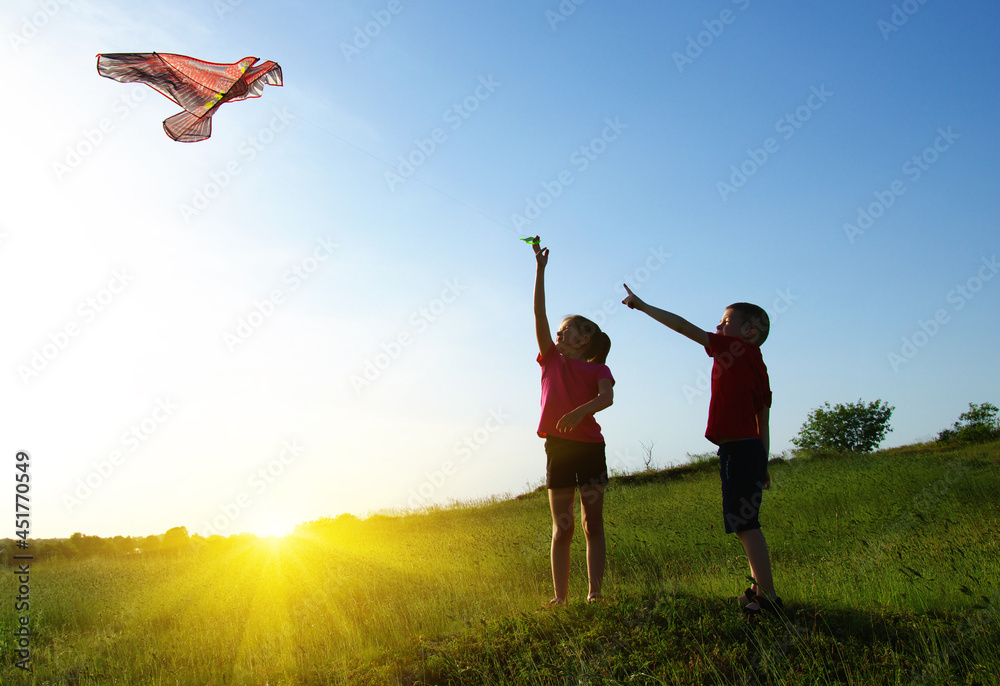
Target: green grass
888 564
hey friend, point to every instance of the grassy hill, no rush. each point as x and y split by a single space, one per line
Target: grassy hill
888 564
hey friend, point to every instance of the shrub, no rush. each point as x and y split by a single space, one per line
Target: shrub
854 427
978 425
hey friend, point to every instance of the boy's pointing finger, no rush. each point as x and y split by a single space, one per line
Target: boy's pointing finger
628 298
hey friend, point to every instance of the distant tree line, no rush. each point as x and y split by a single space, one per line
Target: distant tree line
175 541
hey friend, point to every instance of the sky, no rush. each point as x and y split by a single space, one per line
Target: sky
324 308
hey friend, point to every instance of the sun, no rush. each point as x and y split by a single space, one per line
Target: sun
271 527
276 531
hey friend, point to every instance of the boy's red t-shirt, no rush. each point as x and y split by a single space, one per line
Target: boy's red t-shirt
740 388
567 384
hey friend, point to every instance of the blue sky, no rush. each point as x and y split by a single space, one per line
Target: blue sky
324 308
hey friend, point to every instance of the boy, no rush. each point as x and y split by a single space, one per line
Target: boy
737 423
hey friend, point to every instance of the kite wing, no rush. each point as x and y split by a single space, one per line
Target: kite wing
256 77
197 86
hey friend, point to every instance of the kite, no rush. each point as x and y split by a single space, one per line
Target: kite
199 87
532 241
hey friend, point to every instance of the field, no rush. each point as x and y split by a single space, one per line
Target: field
888 565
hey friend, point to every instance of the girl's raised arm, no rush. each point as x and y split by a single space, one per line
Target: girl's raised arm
542 332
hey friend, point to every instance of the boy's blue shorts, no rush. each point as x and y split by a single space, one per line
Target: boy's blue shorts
743 468
574 463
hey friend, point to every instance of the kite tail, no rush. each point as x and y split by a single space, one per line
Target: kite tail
187 128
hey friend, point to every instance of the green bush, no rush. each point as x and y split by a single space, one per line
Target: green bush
978 425
854 427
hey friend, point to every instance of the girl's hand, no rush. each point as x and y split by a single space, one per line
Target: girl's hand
541 254
632 300
570 421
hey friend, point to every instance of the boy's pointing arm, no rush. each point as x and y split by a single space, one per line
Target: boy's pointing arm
668 319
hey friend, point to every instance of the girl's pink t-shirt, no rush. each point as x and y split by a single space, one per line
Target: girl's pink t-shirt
567 384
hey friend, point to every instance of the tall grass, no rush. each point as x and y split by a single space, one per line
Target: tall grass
887 564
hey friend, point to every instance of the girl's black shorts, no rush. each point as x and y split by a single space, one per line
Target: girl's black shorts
574 463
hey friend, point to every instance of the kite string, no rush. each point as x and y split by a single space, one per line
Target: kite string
387 164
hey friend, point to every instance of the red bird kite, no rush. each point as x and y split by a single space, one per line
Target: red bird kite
199 87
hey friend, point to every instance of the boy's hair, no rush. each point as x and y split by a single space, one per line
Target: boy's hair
600 343
755 316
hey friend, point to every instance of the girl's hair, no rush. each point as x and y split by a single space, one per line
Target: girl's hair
600 344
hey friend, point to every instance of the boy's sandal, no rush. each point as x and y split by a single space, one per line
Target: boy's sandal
556 602
764 603
747 597
596 598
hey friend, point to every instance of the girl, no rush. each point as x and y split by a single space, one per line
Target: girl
575 384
